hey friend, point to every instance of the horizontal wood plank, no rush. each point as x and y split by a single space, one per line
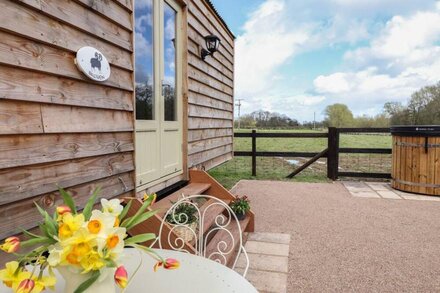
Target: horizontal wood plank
201 88
212 69
202 100
80 17
201 157
127 4
24 85
199 123
18 117
25 182
111 10
23 150
62 119
25 215
200 134
18 51
42 28
196 74
207 112
207 144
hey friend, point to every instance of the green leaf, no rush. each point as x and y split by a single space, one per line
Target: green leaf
35 241
141 210
141 238
141 218
110 263
87 212
31 235
49 223
68 200
86 284
125 210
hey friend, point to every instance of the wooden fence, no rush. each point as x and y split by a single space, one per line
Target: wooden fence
331 152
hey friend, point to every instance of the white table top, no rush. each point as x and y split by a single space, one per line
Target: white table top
196 274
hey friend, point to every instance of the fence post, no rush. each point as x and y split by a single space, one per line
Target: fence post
254 152
333 153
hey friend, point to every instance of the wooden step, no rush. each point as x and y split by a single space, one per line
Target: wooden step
224 236
191 189
212 213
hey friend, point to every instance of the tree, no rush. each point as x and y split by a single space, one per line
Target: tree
338 115
423 108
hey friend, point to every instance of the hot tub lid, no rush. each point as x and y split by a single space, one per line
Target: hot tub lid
419 130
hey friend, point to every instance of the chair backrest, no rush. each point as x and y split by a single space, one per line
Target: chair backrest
195 229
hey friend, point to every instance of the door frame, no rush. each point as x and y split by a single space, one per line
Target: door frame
182 113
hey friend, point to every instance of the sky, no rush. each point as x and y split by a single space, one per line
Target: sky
296 57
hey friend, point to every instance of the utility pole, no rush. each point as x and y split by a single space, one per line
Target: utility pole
314 120
239 108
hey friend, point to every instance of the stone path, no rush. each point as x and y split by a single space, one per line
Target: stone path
268 261
382 190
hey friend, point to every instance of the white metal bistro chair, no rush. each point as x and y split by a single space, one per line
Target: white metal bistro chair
223 223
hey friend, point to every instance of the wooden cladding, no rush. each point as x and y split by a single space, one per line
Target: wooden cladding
56 126
211 90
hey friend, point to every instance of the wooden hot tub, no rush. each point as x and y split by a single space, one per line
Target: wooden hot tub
416 159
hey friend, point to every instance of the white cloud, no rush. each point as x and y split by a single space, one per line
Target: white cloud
401 54
140 4
263 47
402 58
142 46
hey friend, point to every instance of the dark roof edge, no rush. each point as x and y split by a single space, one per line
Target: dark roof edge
220 17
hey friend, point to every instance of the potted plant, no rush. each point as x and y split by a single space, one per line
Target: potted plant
85 247
240 206
182 218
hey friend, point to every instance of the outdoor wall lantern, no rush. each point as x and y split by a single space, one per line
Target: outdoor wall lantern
212 44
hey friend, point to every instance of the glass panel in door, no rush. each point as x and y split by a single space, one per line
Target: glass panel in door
169 82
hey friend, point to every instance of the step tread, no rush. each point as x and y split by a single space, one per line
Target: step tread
212 213
224 236
191 189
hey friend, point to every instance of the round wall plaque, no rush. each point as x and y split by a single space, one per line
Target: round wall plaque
93 63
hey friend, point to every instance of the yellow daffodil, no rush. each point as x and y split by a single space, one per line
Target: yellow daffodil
43 283
112 207
11 245
9 276
100 223
92 262
69 225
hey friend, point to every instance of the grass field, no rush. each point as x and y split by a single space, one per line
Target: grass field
278 168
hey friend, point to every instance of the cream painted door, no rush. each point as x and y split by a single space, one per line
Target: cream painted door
158 91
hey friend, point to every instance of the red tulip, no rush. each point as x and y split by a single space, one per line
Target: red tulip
26 286
62 209
121 277
170 264
11 245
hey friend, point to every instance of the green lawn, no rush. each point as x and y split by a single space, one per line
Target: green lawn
239 168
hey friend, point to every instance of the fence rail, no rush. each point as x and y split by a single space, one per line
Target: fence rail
331 153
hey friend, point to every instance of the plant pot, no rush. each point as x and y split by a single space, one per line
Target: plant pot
241 216
185 232
73 279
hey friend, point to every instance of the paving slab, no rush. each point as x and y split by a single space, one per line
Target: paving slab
356 186
264 262
266 281
366 194
267 248
388 194
270 237
379 186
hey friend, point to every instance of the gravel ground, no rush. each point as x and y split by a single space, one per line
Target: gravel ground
345 244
